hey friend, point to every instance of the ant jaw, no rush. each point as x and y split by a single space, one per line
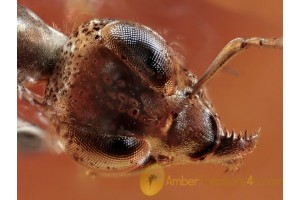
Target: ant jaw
231 148
236 145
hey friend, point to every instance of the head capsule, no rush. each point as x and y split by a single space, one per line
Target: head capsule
120 101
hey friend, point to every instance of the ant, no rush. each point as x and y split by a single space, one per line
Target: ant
119 98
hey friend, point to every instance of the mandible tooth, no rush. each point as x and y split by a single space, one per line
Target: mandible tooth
222 133
245 135
227 133
239 136
232 134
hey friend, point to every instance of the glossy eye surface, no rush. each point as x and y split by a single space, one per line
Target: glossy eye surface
104 152
144 50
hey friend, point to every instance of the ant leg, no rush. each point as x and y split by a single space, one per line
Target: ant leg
232 48
27 95
34 139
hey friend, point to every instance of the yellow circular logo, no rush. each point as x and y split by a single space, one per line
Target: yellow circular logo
152 179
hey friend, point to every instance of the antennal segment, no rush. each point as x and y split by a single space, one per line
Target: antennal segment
232 48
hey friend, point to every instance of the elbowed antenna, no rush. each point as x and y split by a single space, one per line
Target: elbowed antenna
232 48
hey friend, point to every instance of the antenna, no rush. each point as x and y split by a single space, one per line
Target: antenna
233 48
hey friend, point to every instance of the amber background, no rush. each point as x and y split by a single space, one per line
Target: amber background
247 94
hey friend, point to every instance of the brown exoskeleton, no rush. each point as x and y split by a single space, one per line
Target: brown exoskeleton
120 99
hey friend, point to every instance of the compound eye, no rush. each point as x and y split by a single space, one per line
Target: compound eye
144 50
104 152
